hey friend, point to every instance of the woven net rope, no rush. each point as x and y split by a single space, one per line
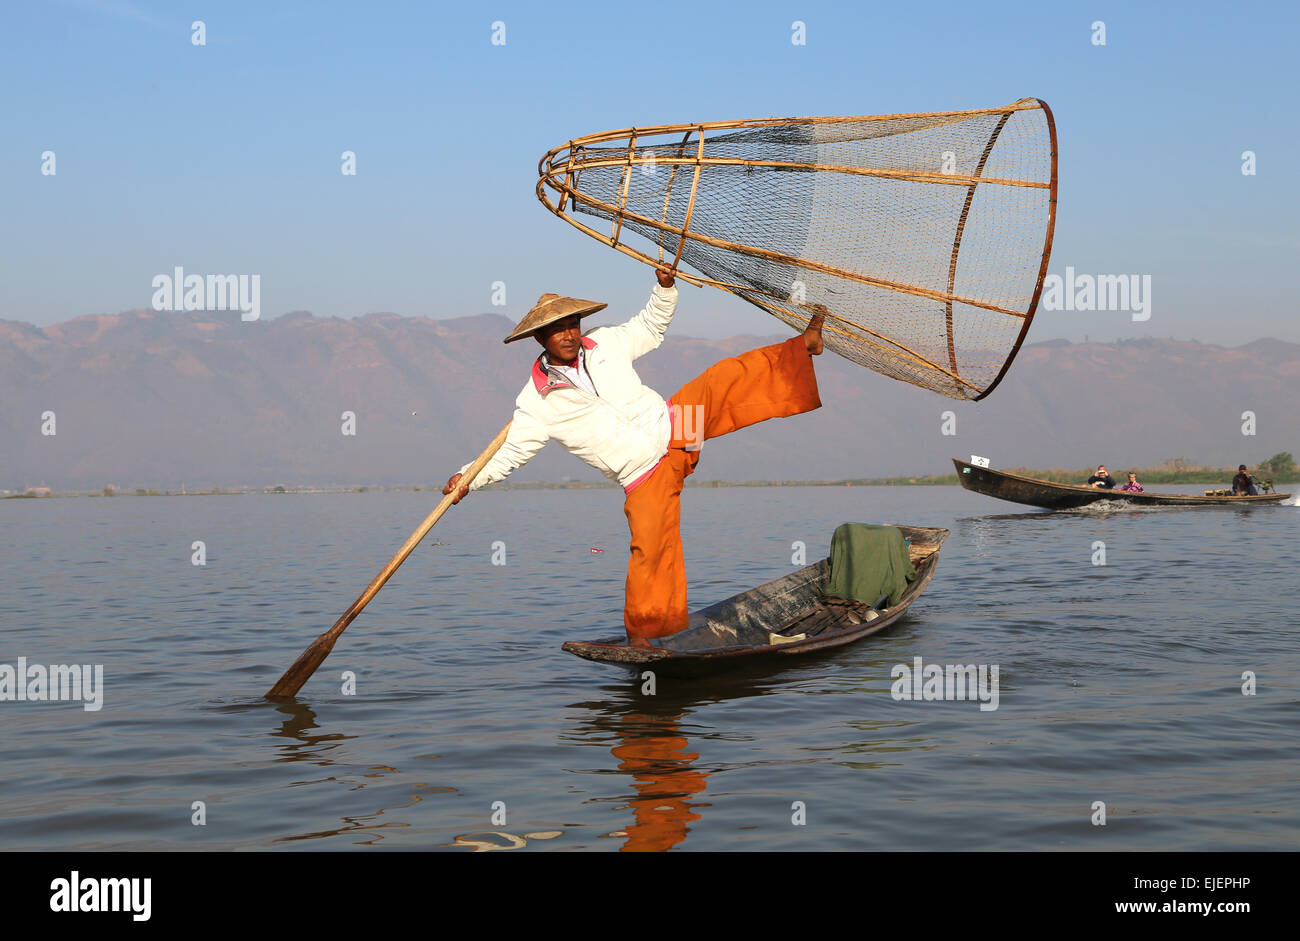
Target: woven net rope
923 237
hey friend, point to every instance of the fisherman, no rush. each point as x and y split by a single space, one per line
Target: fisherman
584 392
1102 478
1243 484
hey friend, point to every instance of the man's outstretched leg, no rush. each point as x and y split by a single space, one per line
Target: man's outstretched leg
770 382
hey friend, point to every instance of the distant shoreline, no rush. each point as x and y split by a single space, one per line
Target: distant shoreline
1221 476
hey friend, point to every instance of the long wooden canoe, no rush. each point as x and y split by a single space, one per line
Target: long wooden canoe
1053 496
785 617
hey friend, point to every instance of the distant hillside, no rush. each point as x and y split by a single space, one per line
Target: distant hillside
149 399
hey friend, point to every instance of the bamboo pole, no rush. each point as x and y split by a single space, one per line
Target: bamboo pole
311 658
690 204
956 242
1024 104
911 176
1046 255
668 193
627 179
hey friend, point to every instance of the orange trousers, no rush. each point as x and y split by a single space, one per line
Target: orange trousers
770 382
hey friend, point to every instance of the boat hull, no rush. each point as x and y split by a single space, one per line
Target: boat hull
740 628
1053 496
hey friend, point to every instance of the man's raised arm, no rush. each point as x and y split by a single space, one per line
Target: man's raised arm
645 331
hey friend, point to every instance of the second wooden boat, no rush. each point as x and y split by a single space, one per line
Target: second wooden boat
1033 492
785 617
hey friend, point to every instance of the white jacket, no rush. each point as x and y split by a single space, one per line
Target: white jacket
623 431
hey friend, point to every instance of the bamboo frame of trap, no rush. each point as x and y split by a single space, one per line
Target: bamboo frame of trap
568 161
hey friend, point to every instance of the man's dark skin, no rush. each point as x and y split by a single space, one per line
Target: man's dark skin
562 341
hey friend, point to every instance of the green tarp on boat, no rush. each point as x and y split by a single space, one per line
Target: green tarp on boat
869 562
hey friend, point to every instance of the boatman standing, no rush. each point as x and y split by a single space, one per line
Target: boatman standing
584 392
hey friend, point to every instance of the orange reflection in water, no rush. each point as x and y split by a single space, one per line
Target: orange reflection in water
655 754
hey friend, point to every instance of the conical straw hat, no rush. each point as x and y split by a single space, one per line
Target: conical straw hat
550 308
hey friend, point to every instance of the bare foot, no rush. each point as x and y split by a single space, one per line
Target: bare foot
638 642
812 337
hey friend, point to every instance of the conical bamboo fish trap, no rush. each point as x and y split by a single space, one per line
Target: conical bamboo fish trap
924 236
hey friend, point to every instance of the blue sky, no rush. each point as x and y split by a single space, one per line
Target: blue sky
225 158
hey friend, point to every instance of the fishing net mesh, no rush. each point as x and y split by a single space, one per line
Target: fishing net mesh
924 237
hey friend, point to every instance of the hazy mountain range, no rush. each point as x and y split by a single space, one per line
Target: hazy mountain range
157 399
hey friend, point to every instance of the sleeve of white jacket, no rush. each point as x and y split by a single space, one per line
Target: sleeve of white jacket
645 331
526 437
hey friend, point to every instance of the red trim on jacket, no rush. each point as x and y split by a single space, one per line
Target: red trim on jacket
644 477
544 382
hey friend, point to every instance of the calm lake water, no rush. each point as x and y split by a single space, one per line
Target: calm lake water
1120 683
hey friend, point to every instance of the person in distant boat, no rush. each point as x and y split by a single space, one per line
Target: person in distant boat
584 393
1132 486
1102 478
1243 484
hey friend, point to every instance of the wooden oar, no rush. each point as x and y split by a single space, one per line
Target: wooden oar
302 669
